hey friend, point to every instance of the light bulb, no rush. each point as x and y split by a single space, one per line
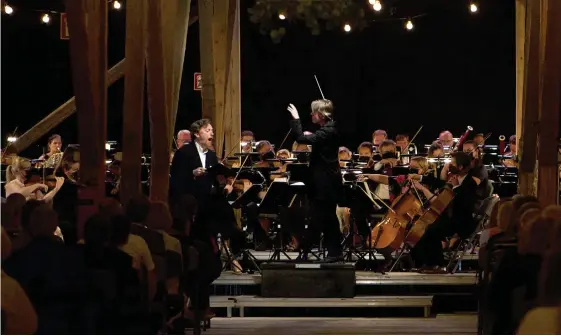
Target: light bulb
12 139
372 2
473 8
46 18
281 16
409 25
377 6
8 9
347 27
116 4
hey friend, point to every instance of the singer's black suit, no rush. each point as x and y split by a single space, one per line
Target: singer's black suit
324 182
213 215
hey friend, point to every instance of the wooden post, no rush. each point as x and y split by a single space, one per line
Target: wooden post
60 114
528 138
166 47
87 21
133 110
233 122
217 39
549 101
520 6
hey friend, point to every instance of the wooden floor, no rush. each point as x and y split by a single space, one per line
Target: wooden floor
442 324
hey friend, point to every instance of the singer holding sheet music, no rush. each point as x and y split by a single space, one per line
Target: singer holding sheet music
195 170
324 182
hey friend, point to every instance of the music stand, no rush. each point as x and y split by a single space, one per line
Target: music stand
220 169
247 197
278 195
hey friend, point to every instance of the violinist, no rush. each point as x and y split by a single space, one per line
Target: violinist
283 154
479 139
402 141
18 182
247 139
457 219
388 153
266 152
325 182
53 157
446 139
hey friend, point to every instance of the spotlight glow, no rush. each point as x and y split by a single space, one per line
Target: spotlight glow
347 28
377 6
8 9
46 18
116 5
473 8
12 139
281 16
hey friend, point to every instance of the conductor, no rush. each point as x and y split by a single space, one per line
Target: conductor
324 182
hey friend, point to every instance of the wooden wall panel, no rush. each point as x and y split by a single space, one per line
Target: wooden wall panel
133 106
520 6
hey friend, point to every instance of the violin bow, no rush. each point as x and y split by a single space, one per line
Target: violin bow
414 136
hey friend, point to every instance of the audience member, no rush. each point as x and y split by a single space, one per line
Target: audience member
19 316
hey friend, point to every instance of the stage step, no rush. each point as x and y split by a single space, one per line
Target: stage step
242 302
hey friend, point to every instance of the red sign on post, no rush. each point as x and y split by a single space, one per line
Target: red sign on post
197 82
64 34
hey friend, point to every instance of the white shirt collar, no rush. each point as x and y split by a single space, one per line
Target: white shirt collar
460 181
200 148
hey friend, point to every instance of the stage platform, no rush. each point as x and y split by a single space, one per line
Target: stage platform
465 324
266 255
365 278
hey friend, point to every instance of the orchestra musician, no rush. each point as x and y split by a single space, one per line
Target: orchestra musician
478 171
479 139
511 161
247 138
190 176
325 182
17 182
345 156
457 219
446 139
378 136
183 138
402 141
53 156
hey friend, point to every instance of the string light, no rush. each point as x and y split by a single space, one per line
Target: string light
473 7
409 25
377 6
372 2
46 18
8 9
116 5
281 16
347 28
12 139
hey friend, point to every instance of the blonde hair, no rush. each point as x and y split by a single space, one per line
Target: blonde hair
18 165
422 162
323 106
159 216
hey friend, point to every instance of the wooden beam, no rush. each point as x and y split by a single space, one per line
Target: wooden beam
527 143
87 21
60 114
206 45
233 92
133 111
549 101
520 7
158 84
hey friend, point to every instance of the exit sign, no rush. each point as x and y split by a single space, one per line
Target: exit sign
197 81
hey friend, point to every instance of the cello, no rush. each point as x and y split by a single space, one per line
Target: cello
391 230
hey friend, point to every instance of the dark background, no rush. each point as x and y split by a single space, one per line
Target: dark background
454 69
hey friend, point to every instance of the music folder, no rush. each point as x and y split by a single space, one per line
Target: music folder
220 169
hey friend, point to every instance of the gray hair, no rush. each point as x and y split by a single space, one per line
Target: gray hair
323 106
